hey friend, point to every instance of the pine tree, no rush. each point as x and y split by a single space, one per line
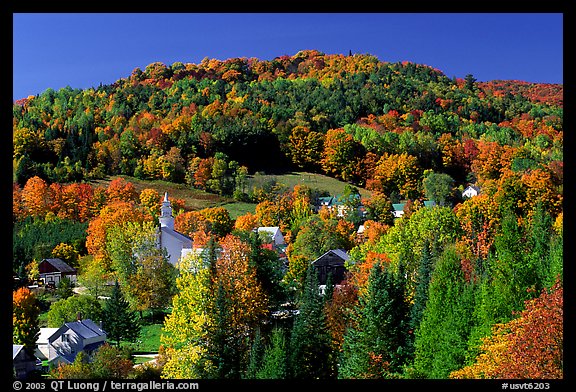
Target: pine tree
310 352
376 345
255 358
223 350
539 257
274 360
441 340
120 323
421 293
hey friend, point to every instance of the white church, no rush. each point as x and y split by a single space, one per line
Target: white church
176 244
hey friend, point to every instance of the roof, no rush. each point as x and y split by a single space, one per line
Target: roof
60 265
16 348
271 229
338 252
398 206
325 200
86 329
429 203
181 237
473 187
67 358
45 334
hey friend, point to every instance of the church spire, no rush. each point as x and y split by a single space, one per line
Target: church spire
166 218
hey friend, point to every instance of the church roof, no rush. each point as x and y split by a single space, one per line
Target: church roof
181 237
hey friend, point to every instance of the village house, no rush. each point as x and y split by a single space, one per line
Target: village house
338 204
273 235
470 191
331 262
22 362
53 270
71 338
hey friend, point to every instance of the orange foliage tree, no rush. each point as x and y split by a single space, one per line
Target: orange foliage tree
530 346
113 214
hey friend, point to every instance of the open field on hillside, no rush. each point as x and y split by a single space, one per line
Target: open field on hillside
312 180
196 199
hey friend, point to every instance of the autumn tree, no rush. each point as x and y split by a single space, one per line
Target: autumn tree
150 199
25 322
306 147
398 173
107 362
341 155
246 222
238 307
528 346
339 310
35 197
121 190
113 214
184 334
142 269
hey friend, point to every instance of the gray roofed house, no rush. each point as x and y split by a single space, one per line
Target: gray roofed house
71 338
22 362
53 270
331 262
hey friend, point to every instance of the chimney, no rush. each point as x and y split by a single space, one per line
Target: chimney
79 316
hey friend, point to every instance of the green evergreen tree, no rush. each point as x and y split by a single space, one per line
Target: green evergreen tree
421 293
274 361
376 345
255 358
441 340
223 349
539 257
310 349
120 323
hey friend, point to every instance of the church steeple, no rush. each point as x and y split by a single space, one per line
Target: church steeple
166 218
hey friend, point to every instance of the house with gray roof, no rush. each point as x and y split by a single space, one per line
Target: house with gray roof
22 362
72 338
53 270
331 262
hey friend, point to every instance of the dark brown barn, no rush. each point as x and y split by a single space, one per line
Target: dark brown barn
331 262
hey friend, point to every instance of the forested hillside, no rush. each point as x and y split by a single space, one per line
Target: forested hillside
470 287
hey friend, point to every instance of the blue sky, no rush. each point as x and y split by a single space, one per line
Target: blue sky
53 50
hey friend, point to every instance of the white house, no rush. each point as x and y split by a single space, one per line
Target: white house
398 209
71 338
175 243
275 234
471 191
